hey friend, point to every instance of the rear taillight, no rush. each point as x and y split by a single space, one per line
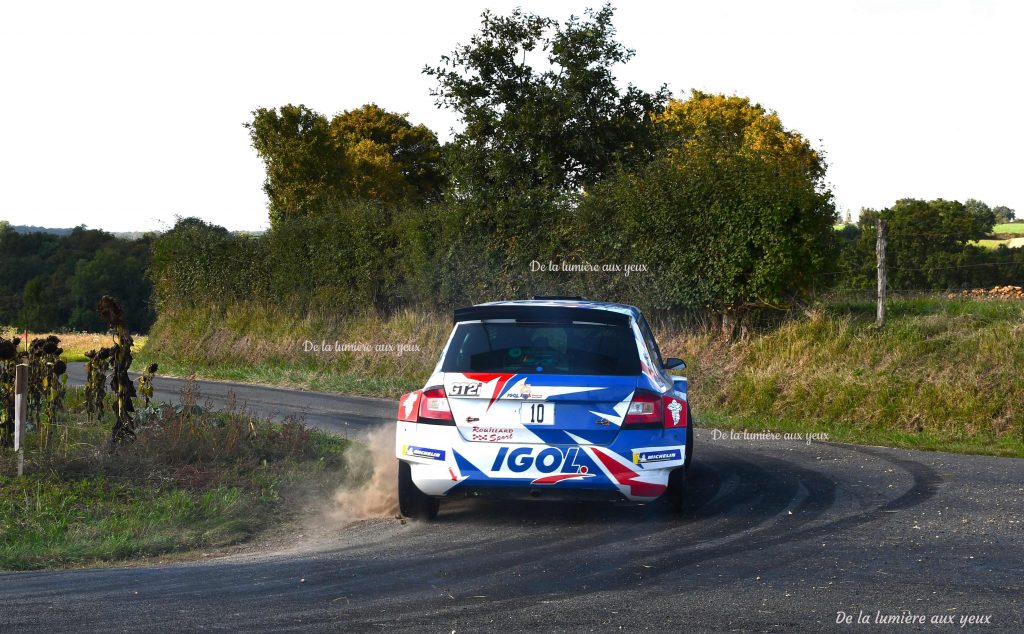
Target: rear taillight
645 409
434 405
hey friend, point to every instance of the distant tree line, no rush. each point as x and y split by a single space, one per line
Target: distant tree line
52 282
931 246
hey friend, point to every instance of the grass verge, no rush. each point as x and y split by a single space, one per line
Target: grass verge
944 374
192 479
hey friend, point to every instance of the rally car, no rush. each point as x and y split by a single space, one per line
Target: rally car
559 398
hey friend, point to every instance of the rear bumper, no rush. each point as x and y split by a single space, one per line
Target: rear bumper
635 467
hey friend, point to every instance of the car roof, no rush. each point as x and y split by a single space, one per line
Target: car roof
622 309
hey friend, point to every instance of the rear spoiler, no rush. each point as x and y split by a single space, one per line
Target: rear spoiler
542 314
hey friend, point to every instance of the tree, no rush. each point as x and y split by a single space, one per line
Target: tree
304 169
39 306
364 154
1004 214
732 215
543 114
928 244
388 158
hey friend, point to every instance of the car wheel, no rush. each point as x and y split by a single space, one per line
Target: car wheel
411 501
677 489
689 438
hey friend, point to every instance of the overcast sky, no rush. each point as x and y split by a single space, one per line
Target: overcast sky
123 115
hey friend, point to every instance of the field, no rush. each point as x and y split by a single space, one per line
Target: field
75 344
1012 227
995 243
943 374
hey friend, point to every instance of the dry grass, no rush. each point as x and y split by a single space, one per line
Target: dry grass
944 373
75 344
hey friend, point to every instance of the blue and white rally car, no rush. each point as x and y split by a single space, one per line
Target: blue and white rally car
550 398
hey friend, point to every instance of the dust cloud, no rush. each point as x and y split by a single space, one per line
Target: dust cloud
371 489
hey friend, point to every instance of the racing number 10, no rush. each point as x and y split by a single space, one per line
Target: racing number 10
536 412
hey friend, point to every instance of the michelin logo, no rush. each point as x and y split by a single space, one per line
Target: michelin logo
640 457
423 452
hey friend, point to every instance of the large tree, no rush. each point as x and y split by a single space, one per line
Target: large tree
542 111
364 154
303 168
733 214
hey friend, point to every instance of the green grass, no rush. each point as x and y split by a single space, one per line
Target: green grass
194 480
48 521
1007 445
945 374
1011 227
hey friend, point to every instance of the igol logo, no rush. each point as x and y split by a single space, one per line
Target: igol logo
563 464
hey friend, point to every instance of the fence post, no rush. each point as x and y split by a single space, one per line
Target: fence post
20 413
882 274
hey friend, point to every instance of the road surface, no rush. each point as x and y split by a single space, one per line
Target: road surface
778 536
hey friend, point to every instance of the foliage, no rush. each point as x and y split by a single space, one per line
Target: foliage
50 282
45 385
540 105
192 479
733 213
97 365
929 247
363 154
388 158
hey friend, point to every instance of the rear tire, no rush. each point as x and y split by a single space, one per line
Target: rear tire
677 489
411 501
689 438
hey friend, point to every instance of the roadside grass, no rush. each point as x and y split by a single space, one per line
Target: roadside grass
944 374
256 343
843 432
192 479
75 344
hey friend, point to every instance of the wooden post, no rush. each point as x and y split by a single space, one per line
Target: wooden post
20 412
882 276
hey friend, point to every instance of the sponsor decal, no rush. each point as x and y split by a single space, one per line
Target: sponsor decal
559 464
407 409
466 389
487 377
674 408
676 412
640 457
423 452
491 434
627 477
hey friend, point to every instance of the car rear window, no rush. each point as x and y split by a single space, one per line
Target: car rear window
539 348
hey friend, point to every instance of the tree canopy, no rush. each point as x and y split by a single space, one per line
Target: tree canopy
542 111
362 154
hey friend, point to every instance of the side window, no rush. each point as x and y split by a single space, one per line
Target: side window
652 345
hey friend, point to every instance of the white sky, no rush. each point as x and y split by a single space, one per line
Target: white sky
123 115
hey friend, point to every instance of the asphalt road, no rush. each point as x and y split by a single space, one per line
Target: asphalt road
778 536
